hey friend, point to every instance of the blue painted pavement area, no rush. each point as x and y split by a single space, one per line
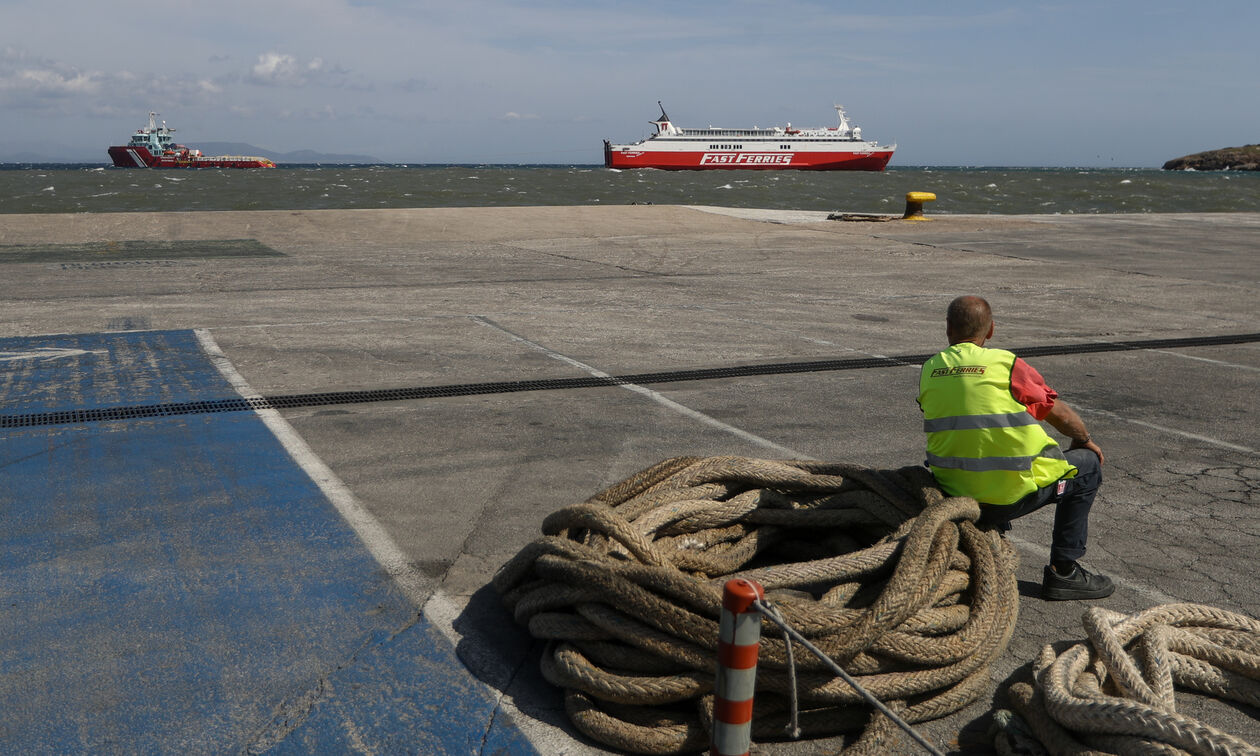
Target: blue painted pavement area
179 584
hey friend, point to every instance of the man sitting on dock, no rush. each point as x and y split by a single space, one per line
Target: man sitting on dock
981 409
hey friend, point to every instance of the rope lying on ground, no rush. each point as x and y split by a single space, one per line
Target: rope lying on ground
877 568
1114 693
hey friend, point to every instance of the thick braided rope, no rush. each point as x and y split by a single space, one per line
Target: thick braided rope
1114 692
877 568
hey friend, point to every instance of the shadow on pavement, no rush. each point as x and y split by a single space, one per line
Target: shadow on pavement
501 653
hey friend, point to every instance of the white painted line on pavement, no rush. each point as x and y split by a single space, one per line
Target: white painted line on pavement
655 396
1043 553
1196 358
369 529
439 609
1165 429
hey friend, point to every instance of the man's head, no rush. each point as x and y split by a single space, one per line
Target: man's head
969 319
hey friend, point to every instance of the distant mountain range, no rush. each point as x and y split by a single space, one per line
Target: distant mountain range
207 148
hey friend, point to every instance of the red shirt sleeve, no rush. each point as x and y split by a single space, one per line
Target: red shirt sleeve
1030 389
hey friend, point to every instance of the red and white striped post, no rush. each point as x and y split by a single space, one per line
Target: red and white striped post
739 632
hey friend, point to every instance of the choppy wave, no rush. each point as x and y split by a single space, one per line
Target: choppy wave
1012 191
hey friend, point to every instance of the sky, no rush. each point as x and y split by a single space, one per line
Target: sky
1110 83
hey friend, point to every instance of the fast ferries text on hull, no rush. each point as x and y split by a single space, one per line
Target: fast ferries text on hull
154 147
832 148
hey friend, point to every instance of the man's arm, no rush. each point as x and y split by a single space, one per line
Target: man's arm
1066 421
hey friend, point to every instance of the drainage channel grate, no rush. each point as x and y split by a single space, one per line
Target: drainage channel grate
296 401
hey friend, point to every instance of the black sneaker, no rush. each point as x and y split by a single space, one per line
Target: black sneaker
1079 584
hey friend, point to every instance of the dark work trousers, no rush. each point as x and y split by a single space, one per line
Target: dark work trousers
1071 512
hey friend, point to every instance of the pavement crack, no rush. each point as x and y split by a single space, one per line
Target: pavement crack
501 695
485 733
288 716
292 713
626 268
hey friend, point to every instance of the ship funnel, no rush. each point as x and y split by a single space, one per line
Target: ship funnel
662 124
843 127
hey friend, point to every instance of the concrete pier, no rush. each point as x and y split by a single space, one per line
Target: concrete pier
315 577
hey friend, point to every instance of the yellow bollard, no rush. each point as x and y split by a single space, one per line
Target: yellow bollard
914 205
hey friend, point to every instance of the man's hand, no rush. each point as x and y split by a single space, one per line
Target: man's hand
1088 445
1066 421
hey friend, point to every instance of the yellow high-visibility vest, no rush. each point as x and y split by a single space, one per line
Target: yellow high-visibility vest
981 441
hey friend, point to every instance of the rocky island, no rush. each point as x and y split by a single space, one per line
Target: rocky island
1245 158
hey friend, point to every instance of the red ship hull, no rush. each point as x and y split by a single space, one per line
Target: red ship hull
139 157
755 161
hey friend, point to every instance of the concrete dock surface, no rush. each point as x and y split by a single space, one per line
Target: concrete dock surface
203 583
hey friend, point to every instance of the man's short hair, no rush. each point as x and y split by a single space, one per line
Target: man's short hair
968 316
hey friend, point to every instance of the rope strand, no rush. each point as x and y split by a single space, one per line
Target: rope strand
773 615
793 728
1137 659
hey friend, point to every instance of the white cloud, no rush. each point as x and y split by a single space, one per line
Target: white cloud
21 75
53 82
29 83
512 115
284 70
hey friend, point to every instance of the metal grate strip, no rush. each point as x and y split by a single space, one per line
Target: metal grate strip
296 401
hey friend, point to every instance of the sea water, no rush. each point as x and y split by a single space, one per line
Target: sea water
1011 191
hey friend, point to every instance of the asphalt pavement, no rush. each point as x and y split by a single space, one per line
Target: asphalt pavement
312 574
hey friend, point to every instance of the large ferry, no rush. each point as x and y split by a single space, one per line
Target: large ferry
830 148
154 147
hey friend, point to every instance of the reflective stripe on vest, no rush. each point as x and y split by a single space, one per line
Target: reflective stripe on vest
972 422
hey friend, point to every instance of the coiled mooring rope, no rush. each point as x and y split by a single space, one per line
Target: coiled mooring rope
877 568
1114 692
